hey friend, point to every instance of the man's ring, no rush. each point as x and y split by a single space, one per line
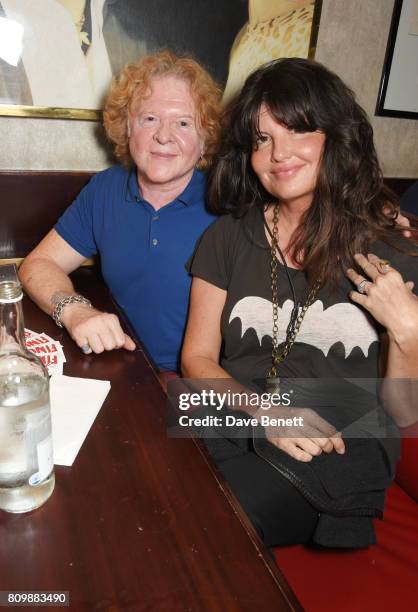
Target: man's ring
361 287
85 348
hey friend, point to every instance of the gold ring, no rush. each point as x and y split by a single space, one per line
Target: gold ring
382 265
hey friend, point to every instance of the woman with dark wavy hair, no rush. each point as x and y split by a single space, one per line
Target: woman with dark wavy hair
305 212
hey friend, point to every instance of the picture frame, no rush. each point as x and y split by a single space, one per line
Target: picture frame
398 91
66 63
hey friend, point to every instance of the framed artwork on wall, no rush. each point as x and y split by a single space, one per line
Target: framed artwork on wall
398 92
58 57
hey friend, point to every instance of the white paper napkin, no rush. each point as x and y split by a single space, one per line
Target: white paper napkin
75 403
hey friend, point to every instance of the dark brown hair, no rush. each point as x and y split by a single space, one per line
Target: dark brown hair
351 206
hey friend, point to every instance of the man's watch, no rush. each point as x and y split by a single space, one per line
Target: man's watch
70 299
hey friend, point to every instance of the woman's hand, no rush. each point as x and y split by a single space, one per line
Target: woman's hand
383 292
307 437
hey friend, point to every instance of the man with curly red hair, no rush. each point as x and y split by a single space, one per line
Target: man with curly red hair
142 216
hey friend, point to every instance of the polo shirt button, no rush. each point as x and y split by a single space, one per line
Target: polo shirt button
155 218
154 241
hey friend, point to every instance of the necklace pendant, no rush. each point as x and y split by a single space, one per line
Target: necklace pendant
273 385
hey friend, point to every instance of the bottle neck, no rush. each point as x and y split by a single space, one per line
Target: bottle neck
12 336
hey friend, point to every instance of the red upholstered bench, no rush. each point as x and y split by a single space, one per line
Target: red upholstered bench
381 578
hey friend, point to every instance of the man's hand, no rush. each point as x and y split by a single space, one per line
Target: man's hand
309 439
95 331
401 220
404 222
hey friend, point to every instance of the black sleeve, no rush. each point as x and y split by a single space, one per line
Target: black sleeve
211 260
409 199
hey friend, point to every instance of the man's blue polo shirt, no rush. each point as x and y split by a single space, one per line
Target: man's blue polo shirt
143 252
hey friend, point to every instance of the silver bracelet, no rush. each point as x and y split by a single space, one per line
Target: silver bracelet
70 299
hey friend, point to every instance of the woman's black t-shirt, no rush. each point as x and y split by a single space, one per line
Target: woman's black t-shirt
337 337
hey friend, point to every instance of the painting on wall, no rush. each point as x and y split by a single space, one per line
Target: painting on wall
57 57
398 92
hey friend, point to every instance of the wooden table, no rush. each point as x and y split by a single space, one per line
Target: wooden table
140 522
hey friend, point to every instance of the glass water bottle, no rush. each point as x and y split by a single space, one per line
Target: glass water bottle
26 459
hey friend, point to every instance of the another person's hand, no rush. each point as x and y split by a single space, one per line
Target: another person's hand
404 222
401 220
95 331
312 436
383 292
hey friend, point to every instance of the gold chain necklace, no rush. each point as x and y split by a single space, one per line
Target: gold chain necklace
277 357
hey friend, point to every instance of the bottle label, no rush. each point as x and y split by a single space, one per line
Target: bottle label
45 462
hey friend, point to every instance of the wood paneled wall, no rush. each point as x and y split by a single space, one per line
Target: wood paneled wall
31 203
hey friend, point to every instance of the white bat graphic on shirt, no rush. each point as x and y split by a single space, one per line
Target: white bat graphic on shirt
321 328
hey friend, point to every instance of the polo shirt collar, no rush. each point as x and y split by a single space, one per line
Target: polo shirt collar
132 188
194 191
